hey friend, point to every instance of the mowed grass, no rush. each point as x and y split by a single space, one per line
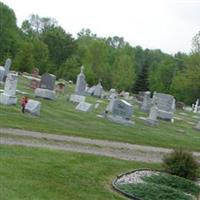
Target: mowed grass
60 117
40 174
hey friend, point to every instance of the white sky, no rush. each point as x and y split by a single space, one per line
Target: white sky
168 25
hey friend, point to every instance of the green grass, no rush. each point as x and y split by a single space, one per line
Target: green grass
162 186
175 182
39 174
153 191
60 117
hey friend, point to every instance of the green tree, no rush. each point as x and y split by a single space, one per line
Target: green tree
24 60
9 33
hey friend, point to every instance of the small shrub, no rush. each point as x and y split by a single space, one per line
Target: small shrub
181 163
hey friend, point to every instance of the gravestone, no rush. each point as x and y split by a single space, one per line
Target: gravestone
197 127
152 119
98 90
112 93
5 70
127 96
83 106
77 98
8 97
196 106
121 112
90 91
46 88
33 107
35 72
80 83
165 104
146 104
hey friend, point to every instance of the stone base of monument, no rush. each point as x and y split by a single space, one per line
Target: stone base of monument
7 99
45 93
119 120
33 107
151 122
165 115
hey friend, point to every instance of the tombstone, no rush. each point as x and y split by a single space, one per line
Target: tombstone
80 83
83 106
77 98
5 70
35 72
8 97
126 96
121 112
33 107
152 119
35 83
196 106
46 88
197 127
180 105
98 90
146 104
60 87
112 93
90 91
165 104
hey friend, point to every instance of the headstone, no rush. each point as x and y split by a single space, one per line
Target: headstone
35 72
121 112
8 97
152 119
5 70
90 91
83 106
96 105
46 89
126 96
98 90
7 66
197 127
196 106
60 87
35 83
77 98
80 83
180 105
165 104
146 104
112 93
33 107
47 81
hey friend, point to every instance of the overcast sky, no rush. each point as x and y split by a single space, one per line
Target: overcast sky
168 25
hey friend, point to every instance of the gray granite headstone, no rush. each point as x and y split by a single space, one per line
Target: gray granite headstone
84 106
165 104
47 81
33 107
152 119
80 83
121 112
98 90
5 70
146 104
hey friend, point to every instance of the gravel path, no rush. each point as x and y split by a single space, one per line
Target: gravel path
118 150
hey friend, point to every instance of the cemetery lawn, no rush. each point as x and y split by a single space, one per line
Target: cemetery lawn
60 117
30 174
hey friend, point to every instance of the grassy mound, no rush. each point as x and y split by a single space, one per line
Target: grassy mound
163 186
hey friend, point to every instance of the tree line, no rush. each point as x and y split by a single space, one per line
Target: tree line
40 42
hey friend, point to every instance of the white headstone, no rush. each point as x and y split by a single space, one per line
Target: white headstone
98 90
77 98
33 107
196 106
83 106
152 120
8 97
80 83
